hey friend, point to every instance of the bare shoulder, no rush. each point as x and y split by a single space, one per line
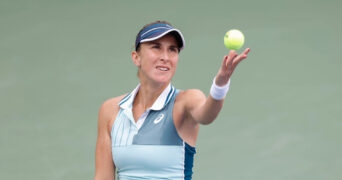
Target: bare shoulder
191 96
188 100
109 110
110 104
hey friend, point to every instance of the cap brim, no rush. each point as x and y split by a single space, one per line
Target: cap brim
180 37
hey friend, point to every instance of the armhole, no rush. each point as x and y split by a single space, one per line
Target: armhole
117 114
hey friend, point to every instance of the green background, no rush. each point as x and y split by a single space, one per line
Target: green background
59 60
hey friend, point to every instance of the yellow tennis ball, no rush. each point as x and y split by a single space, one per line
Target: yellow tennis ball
234 39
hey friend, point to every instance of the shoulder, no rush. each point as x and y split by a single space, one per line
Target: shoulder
190 92
110 104
190 96
108 110
189 99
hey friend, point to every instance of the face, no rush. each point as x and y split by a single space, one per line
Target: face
157 60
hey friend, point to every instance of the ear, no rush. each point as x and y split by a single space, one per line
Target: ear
135 58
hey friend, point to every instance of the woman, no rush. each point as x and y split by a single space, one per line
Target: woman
151 132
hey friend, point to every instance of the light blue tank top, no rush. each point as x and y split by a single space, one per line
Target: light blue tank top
153 151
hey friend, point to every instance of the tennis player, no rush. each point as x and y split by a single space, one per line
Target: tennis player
151 132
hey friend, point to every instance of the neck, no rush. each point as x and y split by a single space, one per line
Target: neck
147 95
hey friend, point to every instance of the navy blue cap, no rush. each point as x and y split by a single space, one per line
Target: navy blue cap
156 31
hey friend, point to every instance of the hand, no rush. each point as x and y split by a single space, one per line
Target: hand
228 66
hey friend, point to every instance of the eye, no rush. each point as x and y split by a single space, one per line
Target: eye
156 46
174 49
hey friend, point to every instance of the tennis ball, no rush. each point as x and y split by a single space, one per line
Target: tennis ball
234 39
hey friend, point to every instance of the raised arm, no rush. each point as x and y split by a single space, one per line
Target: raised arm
204 109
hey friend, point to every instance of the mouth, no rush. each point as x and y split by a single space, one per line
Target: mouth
163 68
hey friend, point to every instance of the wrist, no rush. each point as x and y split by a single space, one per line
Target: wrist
219 92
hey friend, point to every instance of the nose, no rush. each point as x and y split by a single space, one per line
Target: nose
164 56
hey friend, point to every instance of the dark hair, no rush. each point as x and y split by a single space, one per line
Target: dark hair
149 24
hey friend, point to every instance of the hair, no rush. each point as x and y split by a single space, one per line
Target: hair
149 24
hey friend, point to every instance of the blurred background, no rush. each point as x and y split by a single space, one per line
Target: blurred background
59 60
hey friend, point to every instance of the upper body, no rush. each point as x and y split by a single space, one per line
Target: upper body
157 59
151 146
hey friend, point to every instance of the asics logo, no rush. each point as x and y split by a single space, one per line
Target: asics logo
158 119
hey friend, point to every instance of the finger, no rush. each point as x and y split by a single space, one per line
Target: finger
244 54
246 51
224 61
231 56
241 57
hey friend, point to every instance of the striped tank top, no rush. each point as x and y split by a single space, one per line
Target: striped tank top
153 149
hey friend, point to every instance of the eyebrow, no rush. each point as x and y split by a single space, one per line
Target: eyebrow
152 43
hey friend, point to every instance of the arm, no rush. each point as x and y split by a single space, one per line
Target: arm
104 166
203 109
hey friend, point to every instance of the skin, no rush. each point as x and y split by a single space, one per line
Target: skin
157 63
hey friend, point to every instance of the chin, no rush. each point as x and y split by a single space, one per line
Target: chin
164 80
